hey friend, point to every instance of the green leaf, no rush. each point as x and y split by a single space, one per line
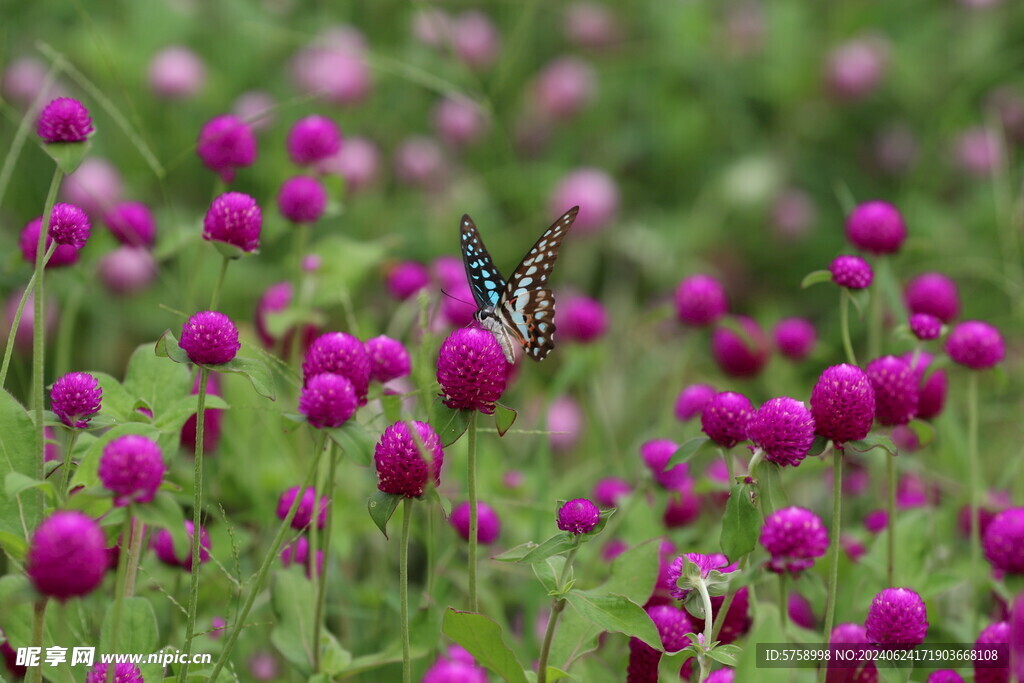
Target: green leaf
556 545
86 474
138 629
354 440
615 613
230 251
334 658
449 424
769 484
154 381
767 629
256 370
67 155
503 418
686 452
164 512
392 405
818 446
816 277
483 639
16 482
924 431
292 598
172 419
741 522
167 347
117 402
19 453
381 506
13 544
859 298
548 572
872 441
726 654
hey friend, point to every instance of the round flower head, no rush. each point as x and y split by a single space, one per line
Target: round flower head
897 619
131 223
358 163
700 300
896 390
591 189
795 338
176 72
64 120
564 87
876 521
132 467
976 345
75 398
471 370
304 513
328 400
849 639
656 454
488 523
740 354
565 422
784 429
851 272
607 492
933 293
96 186
925 326
843 403
455 666
691 401
302 199
998 633
343 355
933 385
388 358
69 225
28 242
725 675
67 555
794 537
401 468
475 39
944 676
682 507
459 122
1003 542
124 672
234 218
725 418
209 338
226 143
876 227
163 546
313 139
578 516
673 624
582 319
420 162
801 613
407 278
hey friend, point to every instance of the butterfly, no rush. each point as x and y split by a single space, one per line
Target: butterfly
520 310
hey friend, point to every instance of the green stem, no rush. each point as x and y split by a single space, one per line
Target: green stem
557 605
403 589
833 573
65 477
29 288
215 295
844 326
709 628
135 546
473 605
726 605
120 590
784 606
38 621
974 465
890 470
321 576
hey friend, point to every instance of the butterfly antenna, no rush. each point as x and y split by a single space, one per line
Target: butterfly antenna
450 296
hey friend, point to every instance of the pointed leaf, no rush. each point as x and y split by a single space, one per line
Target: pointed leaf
256 370
741 523
116 402
355 441
816 277
686 452
167 347
818 446
872 441
724 655
503 418
16 482
482 638
138 629
67 155
381 506
615 613
154 381
19 452
449 424
293 598
557 544
547 573
769 485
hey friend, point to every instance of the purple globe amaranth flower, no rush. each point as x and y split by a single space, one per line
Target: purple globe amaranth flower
131 223
897 619
28 242
358 163
784 429
209 338
211 420
794 537
944 676
263 666
656 454
795 337
691 401
933 293
998 633
673 624
95 186
402 469
564 87
296 552
913 492
682 507
850 640
302 199
725 418
933 385
75 398
565 422
234 218
876 521
843 404
343 355
124 672
407 278
312 139
328 400
67 555
389 358
455 665
741 353
1003 541
475 39
896 390
876 227
304 512
801 613
127 270
225 144
459 122
176 73
578 516
725 675
471 370
69 225
132 467
706 563
976 345
420 162
700 300
925 326
65 119
851 272
488 523
334 68
582 319
608 491
163 546
978 151
591 189
591 26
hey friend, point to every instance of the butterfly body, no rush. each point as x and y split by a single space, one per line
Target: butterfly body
520 311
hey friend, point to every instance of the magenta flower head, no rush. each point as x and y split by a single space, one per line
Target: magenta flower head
725 418
673 624
488 523
656 454
176 73
402 469
209 338
725 675
582 319
302 199
999 633
682 507
388 358
691 401
700 300
843 404
850 640
784 429
591 189
328 400
851 272
564 87
925 326
740 353
933 385
358 163
69 225
234 218
407 278
64 120
163 547
304 513
75 398
455 665
876 227
944 676
706 564
343 355
1003 542
976 345
794 537
933 293
897 619
131 223
795 338
471 370
28 242
608 491
578 516
801 612
132 467
459 122
313 139
226 143
124 672
67 556
896 390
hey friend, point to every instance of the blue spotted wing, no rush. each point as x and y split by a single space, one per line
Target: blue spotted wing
485 281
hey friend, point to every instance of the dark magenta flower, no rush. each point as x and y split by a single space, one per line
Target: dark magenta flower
456 665
849 639
896 390
127 270
225 144
343 355
163 546
407 278
843 404
471 370
582 319
1003 542
851 272
673 624
740 353
691 401
75 398
389 358
304 513
131 223
682 506
401 468
876 227
794 537
725 418
706 563
801 613
234 218
933 293
944 676
488 523
925 326
933 385
28 241
976 345
784 429
64 120
725 675
132 467
608 491
656 454
69 225
209 338
124 672
897 619
328 400
313 139
998 633
67 555
578 516
795 337
700 300
302 199
591 189
876 521
211 420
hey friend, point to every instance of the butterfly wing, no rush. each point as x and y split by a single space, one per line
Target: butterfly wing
485 281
